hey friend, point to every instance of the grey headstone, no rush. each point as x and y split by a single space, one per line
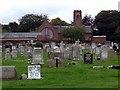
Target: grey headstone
104 52
8 73
23 76
76 51
8 56
38 56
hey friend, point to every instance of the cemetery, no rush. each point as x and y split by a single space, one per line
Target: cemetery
77 65
45 57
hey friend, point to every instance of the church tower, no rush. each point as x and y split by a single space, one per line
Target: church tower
77 18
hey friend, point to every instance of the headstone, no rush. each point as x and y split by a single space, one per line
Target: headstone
8 56
88 58
83 45
104 52
67 53
52 55
98 53
37 56
93 46
14 52
23 76
56 62
62 46
30 51
8 73
1 52
22 49
34 72
76 51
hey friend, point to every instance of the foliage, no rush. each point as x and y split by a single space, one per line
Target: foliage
115 37
107 22
87 20
30 21
73 33
58 22
11 27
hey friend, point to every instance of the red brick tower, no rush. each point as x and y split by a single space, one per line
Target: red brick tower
77 18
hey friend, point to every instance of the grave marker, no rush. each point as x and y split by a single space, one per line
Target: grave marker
8 73
34 72
37 56
88 58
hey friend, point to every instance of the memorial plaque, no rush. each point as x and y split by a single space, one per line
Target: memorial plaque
88 58
34 72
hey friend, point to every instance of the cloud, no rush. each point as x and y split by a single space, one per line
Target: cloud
12 10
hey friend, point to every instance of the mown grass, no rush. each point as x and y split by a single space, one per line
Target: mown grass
76 76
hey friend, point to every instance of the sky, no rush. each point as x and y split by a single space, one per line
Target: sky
13 10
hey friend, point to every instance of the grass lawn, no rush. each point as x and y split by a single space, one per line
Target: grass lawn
76 76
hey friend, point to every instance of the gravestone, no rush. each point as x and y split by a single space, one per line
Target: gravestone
22 49
76 51
56 62
37 56
8 55
52 55
93 46
8 73
34 72
98 53
83 45
62 46
67 53
30 51
88 58
1 52
14 52
23 76
104 52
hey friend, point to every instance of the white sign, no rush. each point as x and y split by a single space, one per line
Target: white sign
34 72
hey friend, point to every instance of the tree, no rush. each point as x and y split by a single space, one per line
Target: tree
58 22
74 33
107 22
87 20
116 36
13 27
30 21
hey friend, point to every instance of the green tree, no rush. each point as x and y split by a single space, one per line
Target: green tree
58 22
116 36
30 21
13 27
87 20
74 33
107 22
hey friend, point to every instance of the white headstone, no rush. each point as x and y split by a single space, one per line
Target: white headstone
34 72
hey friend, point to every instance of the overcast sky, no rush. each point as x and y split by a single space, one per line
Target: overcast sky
12 10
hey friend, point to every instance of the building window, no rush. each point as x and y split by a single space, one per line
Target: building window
47 32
